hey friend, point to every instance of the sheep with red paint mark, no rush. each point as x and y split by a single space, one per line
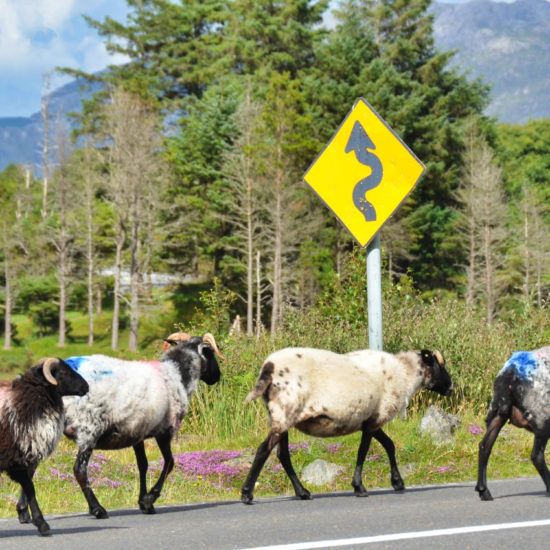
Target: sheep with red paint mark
521 395
326 394
31 423
131 401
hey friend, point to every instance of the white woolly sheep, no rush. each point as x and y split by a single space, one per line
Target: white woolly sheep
31 423
130 401
521 395
326 394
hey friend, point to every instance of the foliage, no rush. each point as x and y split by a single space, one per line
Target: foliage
45 317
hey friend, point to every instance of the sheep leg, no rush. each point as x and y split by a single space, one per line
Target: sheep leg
143 464
485 446
24 478
357 482
81 475
164 442
247 491
537 457
22 504
385 440
284 456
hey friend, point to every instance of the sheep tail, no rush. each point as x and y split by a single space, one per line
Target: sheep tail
263 382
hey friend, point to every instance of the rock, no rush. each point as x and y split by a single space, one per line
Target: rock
439 425
321 472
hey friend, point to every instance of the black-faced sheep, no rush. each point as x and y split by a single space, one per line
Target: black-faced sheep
31 423
521 395
130 401
325 394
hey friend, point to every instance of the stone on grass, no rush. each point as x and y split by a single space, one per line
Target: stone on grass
439 425
321 472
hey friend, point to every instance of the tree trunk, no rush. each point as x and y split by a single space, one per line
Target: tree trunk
62 298
489 283
116 294
134 284
7 302
90 254
258 296
277 256
249 262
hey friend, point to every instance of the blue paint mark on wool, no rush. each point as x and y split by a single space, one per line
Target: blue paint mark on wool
85 366
524 364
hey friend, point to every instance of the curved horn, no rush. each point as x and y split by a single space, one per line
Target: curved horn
174 337
211 341
47 370
439 358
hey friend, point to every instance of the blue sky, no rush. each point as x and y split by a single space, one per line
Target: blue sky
38 35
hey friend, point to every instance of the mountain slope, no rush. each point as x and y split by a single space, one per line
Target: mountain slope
508 45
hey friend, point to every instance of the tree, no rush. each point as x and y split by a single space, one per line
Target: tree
134 189
241 202
485 212
61 221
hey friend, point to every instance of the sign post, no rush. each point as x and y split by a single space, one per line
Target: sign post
363 175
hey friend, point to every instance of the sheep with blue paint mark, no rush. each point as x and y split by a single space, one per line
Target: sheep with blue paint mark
521 395
131 401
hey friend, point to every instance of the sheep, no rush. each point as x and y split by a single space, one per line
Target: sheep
31 423
130 401
326 394
521 395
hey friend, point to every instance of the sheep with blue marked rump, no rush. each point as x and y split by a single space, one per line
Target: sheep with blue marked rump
31 423
521 395
327 394
131 401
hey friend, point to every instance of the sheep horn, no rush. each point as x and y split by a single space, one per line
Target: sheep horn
211 341
439 358
174 337
47 370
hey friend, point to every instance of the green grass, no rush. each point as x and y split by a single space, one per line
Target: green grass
420 460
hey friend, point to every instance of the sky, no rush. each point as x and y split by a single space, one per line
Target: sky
38 35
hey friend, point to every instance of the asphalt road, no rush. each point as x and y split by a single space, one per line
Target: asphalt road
442 516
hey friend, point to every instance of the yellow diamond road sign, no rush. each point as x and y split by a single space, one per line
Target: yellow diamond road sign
365 172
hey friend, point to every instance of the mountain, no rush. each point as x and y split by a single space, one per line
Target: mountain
508 46
21 137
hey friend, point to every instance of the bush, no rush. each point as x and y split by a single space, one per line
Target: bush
32 290
45 317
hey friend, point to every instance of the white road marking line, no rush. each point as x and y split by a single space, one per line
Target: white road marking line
405 536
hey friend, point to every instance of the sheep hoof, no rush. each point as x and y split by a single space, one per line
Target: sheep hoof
99 513
149 511
485 495
360 492
398 486
44 529
24 516
246 498
305 496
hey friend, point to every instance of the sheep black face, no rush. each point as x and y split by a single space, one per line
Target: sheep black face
210 370
438 379
66 380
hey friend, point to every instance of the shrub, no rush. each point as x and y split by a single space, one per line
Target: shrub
45 317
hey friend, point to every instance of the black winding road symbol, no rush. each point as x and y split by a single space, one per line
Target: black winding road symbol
360 143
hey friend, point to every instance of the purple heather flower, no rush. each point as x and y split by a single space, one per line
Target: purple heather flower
296 446
475 429
204 463
373 458
333 447
442 469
